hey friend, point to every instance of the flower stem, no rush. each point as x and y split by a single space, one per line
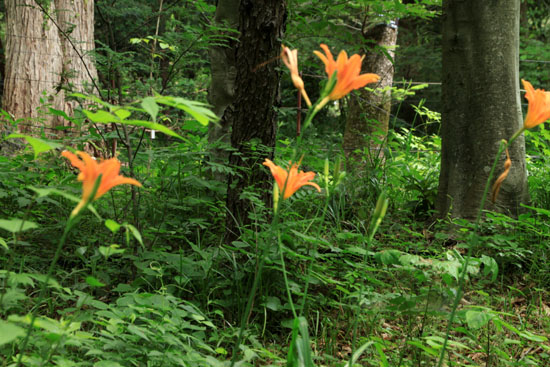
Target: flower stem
471 244
252 294
283 267
62 240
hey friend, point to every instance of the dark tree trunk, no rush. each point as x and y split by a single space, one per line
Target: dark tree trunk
369 112
251 114
222 87
481 105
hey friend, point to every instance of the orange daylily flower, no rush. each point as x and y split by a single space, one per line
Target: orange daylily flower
296 179
347 76
539 105
90 170
290 58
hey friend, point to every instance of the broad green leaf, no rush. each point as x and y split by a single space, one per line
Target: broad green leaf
9 332
121 113
16 225
112 225
108 251
38 145
196 109
93 282
152 126
102 117
273 303
477 319
152 108
388 257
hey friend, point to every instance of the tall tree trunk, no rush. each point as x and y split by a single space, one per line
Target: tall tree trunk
222 88
369 112
47 51
251 114
481 105
34 63
76 20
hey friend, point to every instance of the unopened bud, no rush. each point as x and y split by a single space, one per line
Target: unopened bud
275 198
326 172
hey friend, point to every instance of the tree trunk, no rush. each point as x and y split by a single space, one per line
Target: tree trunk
34 63
369 112
41 60
76 20
251 114
222 88
481 105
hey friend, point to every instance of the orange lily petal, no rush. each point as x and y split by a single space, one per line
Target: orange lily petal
90 170
293 178
538 110
348 76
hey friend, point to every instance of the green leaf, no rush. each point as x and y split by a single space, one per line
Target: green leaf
38 145
93 282
9 332
3 243
273 303
358 353
152 126
16 225
532 337
107 251
47 191
107 363
112 225
91 97
101 116
152 108
135 233
196 109
476 319
122 114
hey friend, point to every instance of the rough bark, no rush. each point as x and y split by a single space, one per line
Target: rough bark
481 105
251 114
41 60
222 87
369 112
76 20
34 62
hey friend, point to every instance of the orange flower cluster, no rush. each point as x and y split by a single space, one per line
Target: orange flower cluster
348 71
293 179
90 170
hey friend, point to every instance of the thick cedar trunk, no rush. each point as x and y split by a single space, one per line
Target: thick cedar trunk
41 60
34 62
481 105
251 114
369 112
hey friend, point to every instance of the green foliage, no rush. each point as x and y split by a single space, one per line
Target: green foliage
146 279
